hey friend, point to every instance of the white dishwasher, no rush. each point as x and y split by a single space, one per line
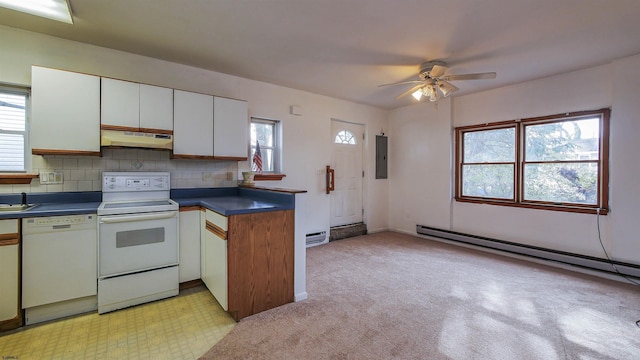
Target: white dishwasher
59 266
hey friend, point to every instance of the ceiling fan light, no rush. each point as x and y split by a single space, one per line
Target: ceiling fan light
446 89
417 94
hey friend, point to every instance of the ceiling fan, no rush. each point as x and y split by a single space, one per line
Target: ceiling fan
433 82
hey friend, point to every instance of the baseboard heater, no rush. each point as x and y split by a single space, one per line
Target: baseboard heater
583 261
316 238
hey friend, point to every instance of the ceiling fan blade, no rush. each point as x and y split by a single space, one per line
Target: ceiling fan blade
402 82
410 91
478 76
437 71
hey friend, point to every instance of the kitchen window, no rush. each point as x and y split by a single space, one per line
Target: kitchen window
13 130
267 132
557 162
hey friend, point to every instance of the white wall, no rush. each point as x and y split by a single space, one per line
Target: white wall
305 139
417 129
419 166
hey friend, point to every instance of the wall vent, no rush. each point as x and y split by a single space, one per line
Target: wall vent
316 238
583 261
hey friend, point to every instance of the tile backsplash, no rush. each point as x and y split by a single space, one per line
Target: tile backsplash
83 173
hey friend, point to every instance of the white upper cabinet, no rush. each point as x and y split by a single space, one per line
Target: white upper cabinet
136 106
192 125
120 104
156 107
230 129
65 112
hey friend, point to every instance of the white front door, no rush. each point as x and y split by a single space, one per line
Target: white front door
346 161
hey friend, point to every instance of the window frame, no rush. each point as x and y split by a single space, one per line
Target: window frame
602 198
277 148
26 153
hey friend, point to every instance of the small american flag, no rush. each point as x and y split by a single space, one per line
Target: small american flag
257 158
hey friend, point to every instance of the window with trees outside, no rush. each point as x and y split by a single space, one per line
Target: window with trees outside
557 162
265 132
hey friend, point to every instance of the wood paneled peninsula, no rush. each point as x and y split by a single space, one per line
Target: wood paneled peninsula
249 247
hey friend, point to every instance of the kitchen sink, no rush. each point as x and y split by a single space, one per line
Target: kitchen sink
16 207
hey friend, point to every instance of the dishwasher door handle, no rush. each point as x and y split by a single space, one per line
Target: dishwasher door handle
130 218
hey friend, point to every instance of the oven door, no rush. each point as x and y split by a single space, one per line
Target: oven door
137 242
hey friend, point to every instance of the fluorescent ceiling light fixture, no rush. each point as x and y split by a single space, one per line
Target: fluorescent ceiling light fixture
52 9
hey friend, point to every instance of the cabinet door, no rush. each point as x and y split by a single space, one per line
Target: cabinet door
156 108
230 129
189 245
216 268
66 104
192 125
216 257
9 269
260 256
120 104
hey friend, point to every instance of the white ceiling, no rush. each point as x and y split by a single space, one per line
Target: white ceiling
346 48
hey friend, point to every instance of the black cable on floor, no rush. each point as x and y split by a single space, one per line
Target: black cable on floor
610 261
608 258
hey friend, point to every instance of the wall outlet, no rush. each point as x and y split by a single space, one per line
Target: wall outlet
51 177
229 175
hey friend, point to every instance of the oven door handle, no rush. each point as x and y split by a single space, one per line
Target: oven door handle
144 217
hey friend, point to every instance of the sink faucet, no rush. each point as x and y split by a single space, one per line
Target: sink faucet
24 198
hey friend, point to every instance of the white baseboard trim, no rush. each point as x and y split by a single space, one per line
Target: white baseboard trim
300 296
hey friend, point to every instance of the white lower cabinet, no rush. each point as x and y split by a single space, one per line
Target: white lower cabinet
214 257
9 255
189 244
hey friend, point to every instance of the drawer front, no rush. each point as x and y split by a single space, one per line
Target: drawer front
217 219
9 226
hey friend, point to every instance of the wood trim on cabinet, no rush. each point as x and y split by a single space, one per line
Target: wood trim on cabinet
216 230
192 157
190 208
135 129
190 284
9 239
231 158
17 178
65 152
11 324
118 128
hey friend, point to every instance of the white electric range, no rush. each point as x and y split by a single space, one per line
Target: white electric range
137 240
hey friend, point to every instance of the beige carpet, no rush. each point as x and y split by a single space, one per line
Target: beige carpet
394 296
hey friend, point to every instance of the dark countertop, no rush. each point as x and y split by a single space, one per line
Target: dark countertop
225 201
54 204
234 201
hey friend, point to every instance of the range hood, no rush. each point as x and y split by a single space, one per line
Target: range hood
136 139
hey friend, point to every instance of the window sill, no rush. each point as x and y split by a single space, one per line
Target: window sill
566 208
17 179
268 177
